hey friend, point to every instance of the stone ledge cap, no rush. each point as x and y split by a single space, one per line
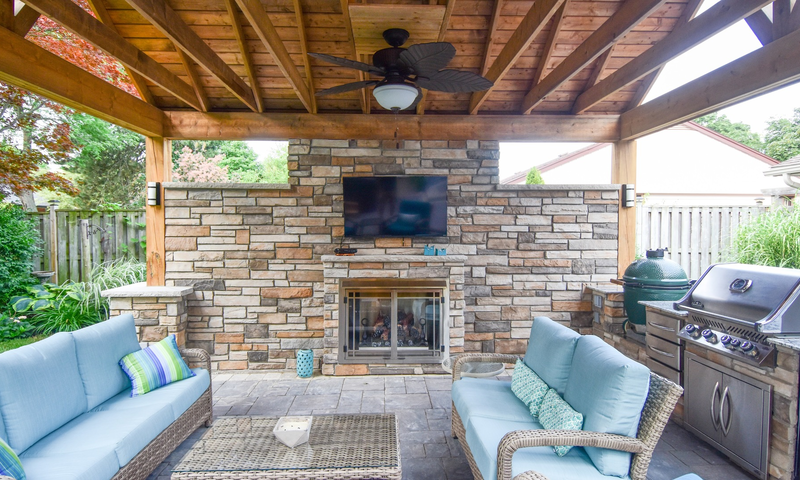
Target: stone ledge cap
459 259
225 186
141 290
576 187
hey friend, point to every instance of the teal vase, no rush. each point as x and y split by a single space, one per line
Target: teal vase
305 363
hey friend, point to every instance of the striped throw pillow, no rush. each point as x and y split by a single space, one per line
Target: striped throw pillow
556 414
155 366
9 463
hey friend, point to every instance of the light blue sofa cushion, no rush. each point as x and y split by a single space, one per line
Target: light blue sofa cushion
90 464
3 434
179 396
99 348
126 431
485 435
41 389
489 398
609 389
550 350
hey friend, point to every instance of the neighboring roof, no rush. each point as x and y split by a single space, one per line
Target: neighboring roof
569 157
791 166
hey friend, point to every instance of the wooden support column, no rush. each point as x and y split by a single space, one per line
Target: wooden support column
623 170
158 168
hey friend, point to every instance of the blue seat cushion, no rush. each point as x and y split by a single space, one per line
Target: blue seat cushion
488 398
609 389
484 438
179 396
41 389
550 350
90 464
99 349
127 432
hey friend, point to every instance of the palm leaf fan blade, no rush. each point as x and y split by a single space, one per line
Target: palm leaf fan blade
347 87
426 59
346 62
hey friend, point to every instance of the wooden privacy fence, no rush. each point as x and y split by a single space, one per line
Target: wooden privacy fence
85 239
696 236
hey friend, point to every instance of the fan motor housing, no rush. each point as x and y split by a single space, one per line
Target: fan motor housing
389 60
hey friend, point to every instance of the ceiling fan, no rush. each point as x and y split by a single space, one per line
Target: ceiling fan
406 70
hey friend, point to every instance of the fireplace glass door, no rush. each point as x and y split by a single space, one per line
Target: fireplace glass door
396 325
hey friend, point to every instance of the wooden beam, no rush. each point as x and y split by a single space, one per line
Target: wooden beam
280 126
550 45
617 26
363 95
768 68
25 20
28 66
682 39
448 12
301 30
535 20
761 26
794 17
781 17
487 49
161 16
259 20
599 66
157 161
247 57
75 19
100 12
623 170
689 12
194 80
7 14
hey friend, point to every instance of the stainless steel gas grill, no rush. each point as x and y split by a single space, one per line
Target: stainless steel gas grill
734 308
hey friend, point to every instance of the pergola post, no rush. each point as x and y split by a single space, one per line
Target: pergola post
623 170
158 168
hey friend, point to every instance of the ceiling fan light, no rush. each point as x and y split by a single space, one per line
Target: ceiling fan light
397 96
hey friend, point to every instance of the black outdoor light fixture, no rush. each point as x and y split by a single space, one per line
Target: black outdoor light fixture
153 193
628 195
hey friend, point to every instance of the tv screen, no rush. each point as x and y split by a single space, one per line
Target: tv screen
395 206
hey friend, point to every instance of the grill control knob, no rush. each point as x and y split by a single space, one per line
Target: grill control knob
725 340
749 348
693 330
735 342
709 335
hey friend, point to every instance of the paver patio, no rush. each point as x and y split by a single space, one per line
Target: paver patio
422 405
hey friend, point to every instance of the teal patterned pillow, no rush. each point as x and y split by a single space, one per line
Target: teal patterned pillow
556 414
528 387
155 366
9 462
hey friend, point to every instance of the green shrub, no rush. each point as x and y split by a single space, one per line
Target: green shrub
14 327
19 243
66 315
772 239
534 177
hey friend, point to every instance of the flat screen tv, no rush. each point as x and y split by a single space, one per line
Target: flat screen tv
408 206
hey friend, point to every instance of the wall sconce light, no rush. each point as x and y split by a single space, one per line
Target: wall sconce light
628 195
153 194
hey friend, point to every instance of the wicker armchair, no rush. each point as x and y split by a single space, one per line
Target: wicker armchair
661 400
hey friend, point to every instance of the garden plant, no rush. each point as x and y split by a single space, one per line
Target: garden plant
772 239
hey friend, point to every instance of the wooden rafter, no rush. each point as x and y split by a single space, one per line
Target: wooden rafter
599 66
363 95
247 57
194 80
259 20
266 126
490 35
28 66
550 45
164 18
101 13
301 30
448 12
682 39
7 14
781 21
689 12
535 20
25 20
617 26
768 68
761 26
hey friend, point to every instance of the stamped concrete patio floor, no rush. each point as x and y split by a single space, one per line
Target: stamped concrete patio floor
422 406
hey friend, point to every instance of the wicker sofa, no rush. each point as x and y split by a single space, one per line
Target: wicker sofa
625 409
66 410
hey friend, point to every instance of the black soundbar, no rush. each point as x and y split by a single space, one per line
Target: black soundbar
345 251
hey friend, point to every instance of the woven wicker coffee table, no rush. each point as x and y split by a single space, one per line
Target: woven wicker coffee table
339 447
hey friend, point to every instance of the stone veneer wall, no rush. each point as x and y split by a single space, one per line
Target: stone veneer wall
253 253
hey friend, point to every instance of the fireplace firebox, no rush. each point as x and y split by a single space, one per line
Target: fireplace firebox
403 324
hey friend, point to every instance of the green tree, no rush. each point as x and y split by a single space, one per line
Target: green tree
782 140
276 165
534 177
239 159
737 131
19 243
110 165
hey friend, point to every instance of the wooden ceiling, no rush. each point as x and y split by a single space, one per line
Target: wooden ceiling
548 57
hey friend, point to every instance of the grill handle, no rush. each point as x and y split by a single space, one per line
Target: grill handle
715 419
661 352
662 327
725 428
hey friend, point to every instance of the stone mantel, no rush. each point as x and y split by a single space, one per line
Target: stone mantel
447 259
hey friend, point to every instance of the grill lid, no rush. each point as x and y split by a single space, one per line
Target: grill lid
655 271
747 293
